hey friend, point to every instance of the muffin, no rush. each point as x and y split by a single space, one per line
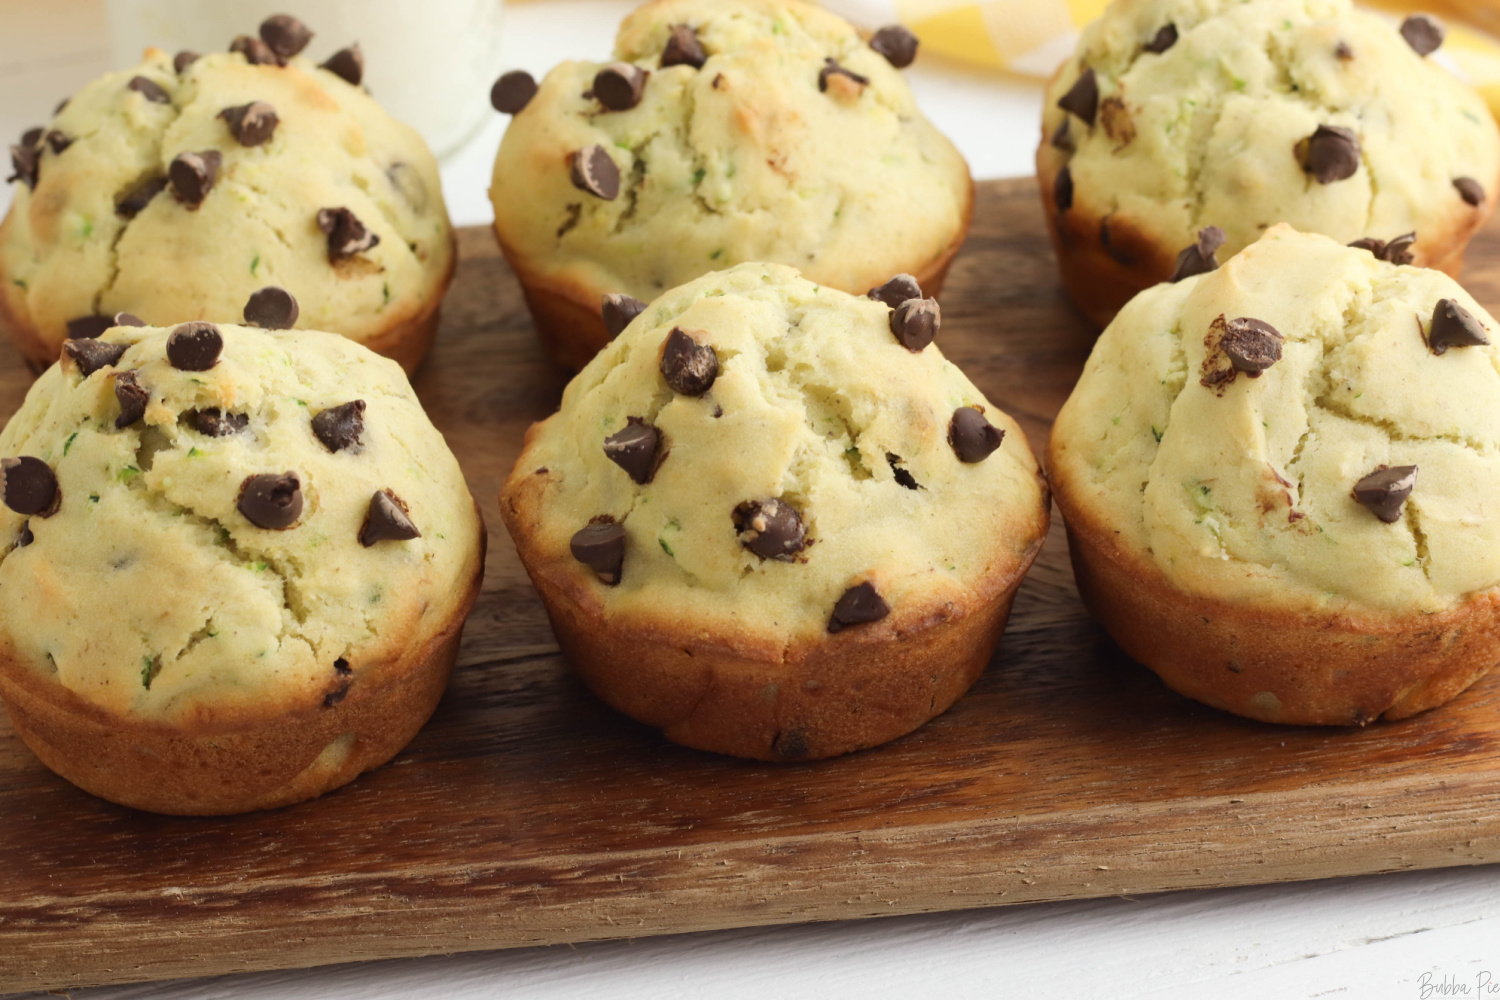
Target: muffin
235 568
1179 132
176 189
1278 481
772 521
723 131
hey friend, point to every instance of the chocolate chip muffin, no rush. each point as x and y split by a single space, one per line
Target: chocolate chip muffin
235 565
175 189
771 520
722 131
1278 480
1179 132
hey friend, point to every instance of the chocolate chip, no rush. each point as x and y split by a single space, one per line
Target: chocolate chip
1199 258
1062 190
184 59
332 698
272 308
771 528
195 347
29 486
904 478
387 521
860 605
1384 491
193 175
513 91
216 423
255 51
342 666
595 172
791 744
285 35
347 64
689 367
251 124
1470 190
60 106
683 48
897 44
1397 251
1423 33
32 137
915 322
149 89
1343 52
1454 326
138 197
601 547
1164 40
91 355
132 397
832 68
1083 98
619 85
347 236
618 310
58 141
1330 154
896 291
634 449
26 164
88 327
340 427
271 501
26 537
973 437
128 319
1063 138
1251 345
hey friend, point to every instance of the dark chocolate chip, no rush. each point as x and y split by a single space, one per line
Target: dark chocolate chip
132 397
791 744
973 437
271 501
128 319
182 60
1470 190
389 520
1062 138
1423 33
26 537
1199 258
1083 98
138 197
1330 154
149 89
683 48
1397 251
251 124
342 666
594 171
347 64
58 141
1343 52
916 322
91 355
215 422
860 605
1164 40
1062 190
1384 491
285 35
193 175
513 91
634 449
347 236
896 291
689 367
26 165
88 327
272 308
904 478
1454 326
771 528
332 698
1251 345
32 137
29 486
897 44
601 547
195 347
619 85
832 68
340 427
618 310
255 51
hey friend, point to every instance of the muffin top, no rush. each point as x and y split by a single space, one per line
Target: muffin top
1356 471
175 195
1241 115
245 541
760 460
756 147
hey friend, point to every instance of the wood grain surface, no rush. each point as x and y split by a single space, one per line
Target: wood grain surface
528 813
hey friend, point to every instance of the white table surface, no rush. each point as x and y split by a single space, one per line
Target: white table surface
1392 936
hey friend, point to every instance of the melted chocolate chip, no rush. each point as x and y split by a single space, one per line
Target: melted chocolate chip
285 35
1423 33
58 141
347 236
973 437
1251 345
128 319
619 85
342 666
618 310
683 48
513 91
1397 251
832 68
193 175
859 605
1200 258
1330 154
32 137
340 427
26 537
1062 190
251 124
271 501
335 696
601 547
916 322
594 171
91 355
634 449
272 308
255 51
1384 491
29 486
88 327
195 347
26 165
1164 40
689 367
182 60
896 291
149 89
132 397
1454 326
216 423
1062 138
1083 98
1470 190
904 478
770 528
897 44
388 521
138 197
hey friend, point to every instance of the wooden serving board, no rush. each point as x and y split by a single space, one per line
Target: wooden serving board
529 813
